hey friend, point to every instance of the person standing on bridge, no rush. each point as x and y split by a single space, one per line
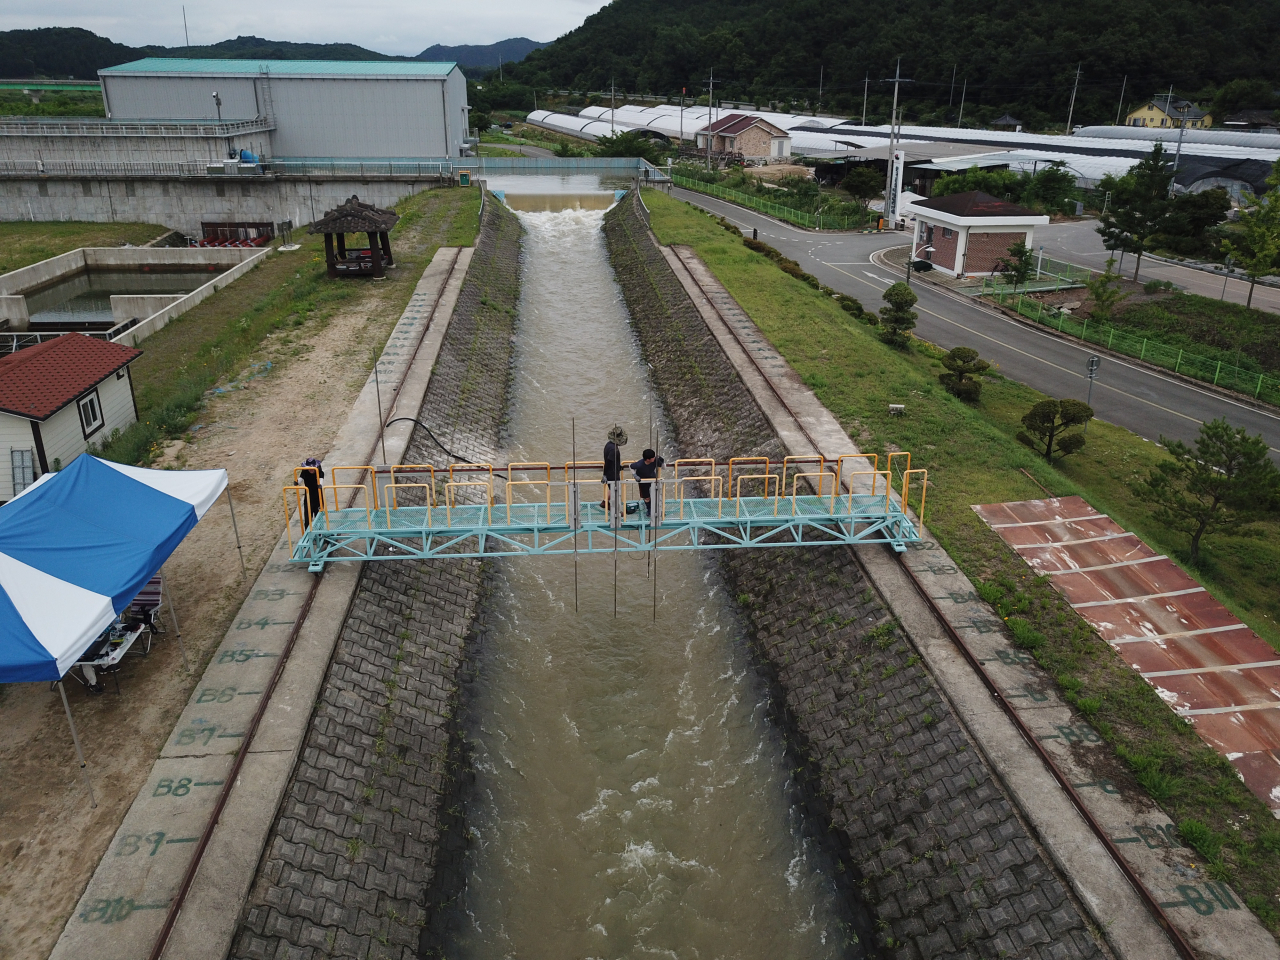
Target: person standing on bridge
311 474
646 468
613 461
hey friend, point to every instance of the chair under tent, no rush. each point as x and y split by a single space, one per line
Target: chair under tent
80 558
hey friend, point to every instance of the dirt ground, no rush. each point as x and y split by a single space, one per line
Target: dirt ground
50 838
776 171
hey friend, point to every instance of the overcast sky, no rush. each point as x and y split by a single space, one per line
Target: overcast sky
388 26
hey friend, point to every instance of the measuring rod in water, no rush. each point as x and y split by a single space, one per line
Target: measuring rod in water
532 509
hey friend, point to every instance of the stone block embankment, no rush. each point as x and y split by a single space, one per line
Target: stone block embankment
354 847
941 858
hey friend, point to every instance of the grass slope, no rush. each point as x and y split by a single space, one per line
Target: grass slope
215 339
972 457
23 243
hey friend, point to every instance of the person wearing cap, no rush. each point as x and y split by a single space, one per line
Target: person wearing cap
613 461
646 468
311 474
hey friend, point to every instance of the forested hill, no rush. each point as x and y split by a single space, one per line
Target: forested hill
1016 55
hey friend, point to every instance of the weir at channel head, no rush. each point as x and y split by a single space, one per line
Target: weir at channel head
630 795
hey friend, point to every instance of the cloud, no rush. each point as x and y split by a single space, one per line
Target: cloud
401 27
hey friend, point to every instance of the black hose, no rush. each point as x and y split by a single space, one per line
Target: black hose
456 457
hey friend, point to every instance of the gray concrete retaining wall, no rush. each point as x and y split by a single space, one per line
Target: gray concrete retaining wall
353 849
943 860
186 203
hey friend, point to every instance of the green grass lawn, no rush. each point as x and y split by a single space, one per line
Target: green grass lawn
23 243
973 457
215 339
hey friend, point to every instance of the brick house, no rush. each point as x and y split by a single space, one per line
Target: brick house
970 231
58 397
752 137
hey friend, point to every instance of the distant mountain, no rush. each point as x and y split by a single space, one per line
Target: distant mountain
72 52
487 56
996 55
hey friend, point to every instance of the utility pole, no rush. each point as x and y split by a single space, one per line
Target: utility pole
960 119
865 83
893 141
711 86
613 109
185 35
952 99
821 68
1072 109
1120 105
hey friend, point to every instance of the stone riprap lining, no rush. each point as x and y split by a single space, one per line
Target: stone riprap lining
945 864
353 850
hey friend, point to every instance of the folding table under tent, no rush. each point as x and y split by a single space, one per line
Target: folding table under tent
76 547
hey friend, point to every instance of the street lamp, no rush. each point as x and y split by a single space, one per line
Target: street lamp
911 257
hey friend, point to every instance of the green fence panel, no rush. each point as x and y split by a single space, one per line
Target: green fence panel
1230 376
798 217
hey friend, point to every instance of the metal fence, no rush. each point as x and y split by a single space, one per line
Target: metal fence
799 217
338 167
1252 383
1050 275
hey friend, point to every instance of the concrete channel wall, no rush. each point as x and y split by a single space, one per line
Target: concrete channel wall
942 858
353 850
184 203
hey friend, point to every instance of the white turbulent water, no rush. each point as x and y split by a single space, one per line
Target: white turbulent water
631 795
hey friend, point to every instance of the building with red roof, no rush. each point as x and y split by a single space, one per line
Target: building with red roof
56 399
752 138
967 233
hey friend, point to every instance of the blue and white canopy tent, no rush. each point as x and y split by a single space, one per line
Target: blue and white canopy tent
76 547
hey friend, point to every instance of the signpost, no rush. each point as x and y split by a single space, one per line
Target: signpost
1094 362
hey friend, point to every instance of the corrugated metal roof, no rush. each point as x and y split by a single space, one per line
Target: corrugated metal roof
282 68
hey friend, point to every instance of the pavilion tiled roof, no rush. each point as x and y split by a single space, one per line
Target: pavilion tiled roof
37 382
355 216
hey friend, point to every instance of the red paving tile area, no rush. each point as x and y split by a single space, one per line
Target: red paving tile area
1204 663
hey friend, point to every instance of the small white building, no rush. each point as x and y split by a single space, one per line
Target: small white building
58 397
967 233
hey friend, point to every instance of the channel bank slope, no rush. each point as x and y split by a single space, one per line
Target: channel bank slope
354 847
945 863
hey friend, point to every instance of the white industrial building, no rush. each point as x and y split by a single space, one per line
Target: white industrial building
303 108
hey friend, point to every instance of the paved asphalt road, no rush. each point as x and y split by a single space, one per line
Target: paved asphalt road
1078 242
1144 401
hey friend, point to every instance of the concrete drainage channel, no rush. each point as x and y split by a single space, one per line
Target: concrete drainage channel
340 837
1046 757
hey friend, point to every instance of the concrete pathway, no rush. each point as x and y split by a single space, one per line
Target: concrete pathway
125 906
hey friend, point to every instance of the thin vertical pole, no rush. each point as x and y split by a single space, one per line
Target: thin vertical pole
963 91
866 82
573 434
75 738
1071 111
236 530
177 631
377 386
952 98
1120 105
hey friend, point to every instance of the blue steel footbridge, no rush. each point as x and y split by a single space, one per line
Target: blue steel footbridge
533 509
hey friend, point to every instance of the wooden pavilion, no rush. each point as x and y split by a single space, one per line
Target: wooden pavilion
356 217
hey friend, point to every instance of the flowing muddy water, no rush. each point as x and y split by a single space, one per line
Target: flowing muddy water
631 795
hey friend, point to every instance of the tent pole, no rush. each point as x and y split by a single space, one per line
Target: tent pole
243 570
177 631
75 738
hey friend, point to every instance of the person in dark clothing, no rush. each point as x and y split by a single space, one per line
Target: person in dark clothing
646 468
612 461
311 474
